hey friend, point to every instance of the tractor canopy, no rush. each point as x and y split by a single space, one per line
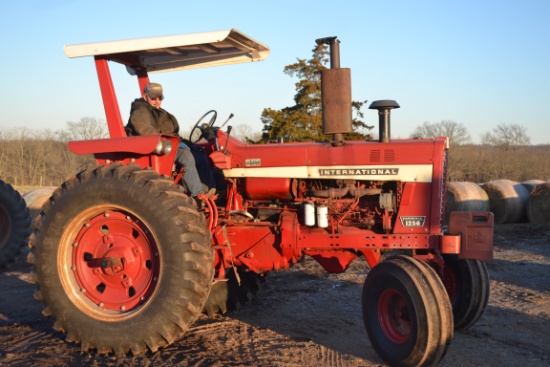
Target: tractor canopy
185 51
142 56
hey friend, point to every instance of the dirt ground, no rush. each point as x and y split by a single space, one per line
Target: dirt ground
306 317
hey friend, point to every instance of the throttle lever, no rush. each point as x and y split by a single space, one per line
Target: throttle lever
229 118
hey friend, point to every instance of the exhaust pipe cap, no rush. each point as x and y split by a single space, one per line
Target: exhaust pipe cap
383 104
384 107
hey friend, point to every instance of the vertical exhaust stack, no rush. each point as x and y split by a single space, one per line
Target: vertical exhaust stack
336 94
384 107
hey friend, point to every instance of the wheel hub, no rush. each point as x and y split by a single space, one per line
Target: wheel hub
112 265
394 316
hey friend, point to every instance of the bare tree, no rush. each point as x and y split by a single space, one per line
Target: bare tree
454 131
85 129
509 143
245 133
507 136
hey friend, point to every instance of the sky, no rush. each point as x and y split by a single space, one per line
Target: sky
477 63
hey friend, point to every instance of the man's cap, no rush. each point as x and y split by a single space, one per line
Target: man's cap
153 90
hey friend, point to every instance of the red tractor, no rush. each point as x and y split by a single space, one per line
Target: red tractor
126 261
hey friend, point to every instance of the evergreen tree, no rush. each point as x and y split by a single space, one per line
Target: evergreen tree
304 121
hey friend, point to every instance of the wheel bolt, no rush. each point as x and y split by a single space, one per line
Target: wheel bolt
75 244
101 305
122 308
83 290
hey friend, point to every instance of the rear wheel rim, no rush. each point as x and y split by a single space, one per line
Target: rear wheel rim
394 316
110 263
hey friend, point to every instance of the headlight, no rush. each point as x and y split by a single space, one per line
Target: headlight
166 147
163 147
158 148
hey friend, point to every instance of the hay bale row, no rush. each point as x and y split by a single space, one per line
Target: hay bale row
538 206
465 197
510 202
36 198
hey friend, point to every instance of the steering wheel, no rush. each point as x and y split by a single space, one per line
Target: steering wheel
208 124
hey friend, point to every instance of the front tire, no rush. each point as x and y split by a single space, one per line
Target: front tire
407 312
123 260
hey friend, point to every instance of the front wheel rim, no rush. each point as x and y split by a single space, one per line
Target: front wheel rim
394 316
110 263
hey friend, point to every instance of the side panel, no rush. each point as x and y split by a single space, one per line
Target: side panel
414 215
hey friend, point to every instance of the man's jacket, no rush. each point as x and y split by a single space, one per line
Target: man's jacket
148 120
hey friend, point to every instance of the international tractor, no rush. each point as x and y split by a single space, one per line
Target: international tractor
126 261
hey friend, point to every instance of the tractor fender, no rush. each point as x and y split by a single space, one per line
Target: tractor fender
135 144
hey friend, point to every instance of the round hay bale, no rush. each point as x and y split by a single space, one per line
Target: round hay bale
538 207
36 198
465 197
508 200
531 184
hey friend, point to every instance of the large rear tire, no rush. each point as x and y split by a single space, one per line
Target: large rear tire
123 260
468 285
15 224
407 312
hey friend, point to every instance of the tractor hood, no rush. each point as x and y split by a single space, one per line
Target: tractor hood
177 52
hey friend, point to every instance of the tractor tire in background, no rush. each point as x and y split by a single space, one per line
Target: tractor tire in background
123 260
228 295
468 286
15 224
407 312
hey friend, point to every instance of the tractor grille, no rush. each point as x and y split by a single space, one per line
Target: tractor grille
382 156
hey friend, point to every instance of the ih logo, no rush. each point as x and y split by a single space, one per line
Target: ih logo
479 238
417 221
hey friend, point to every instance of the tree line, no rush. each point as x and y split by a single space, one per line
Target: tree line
41 157
504 152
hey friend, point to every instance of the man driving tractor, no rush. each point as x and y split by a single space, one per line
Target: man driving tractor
148 118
